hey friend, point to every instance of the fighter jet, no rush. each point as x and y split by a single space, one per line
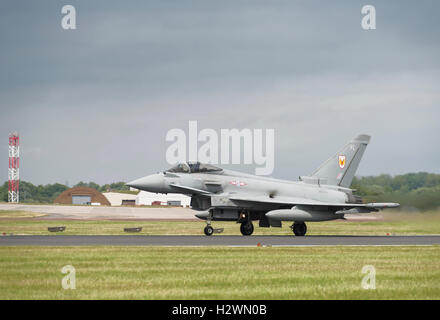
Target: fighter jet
225 195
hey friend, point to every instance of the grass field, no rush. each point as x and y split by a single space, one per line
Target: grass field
394 223
403 272
220 273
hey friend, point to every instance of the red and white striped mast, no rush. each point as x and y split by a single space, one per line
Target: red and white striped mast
14 165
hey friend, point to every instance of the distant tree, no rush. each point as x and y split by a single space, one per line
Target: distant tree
80 184
119 186
40 194
104 188
88 184
4 192
93 185
412 190
116 186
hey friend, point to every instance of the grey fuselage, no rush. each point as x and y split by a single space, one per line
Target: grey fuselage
214 190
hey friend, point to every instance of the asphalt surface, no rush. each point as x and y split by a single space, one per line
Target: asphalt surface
103 212
216 240
61 212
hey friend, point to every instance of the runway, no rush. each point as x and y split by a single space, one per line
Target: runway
61 212
216 240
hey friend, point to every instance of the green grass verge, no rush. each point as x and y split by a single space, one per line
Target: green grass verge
12 214
399 224
408 272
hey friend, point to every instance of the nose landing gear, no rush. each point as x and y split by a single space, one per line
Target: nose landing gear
208 230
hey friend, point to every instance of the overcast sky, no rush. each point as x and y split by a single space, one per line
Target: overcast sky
95 103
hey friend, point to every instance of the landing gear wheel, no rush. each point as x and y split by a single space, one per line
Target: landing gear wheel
299 229
209 230
247 228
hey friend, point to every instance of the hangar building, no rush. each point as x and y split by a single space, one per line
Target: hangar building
144 198
171 199
82 195
119 199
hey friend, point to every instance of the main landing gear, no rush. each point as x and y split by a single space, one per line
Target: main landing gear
299 229
246 228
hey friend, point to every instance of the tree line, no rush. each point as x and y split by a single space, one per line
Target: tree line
419 191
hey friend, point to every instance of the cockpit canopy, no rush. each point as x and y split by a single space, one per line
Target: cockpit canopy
194 167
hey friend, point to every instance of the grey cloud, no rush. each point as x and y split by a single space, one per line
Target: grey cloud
97 102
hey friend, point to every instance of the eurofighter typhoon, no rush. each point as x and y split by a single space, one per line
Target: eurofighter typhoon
225 195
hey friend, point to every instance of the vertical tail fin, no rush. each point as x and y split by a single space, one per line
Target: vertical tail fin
341 168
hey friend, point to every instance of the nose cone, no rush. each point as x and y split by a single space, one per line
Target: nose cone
153 183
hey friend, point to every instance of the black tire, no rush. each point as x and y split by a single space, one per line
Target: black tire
209 230
299 229
247 228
